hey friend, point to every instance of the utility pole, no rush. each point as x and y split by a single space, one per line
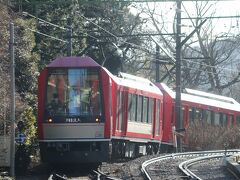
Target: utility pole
12 144
178 119
69 36
157 63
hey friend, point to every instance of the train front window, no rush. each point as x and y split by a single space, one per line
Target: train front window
73 92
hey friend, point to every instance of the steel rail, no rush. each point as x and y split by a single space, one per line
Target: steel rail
100 175
178 155
184 166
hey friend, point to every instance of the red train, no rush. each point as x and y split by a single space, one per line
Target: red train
88 115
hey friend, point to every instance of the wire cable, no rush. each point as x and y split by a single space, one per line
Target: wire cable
113 35
47 35
42 20
205 65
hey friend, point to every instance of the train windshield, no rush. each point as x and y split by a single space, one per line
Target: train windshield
73 92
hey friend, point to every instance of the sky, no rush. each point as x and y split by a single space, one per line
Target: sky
221 8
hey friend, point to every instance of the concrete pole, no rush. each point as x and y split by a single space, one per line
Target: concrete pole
157 63
178 119
12 146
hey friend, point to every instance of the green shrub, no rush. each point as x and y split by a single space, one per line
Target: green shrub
29 129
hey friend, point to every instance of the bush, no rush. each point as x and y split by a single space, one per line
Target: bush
29 128
29 147
202 136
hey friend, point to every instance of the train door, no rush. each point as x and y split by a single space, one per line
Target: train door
157 119
150 114
121 112
125 112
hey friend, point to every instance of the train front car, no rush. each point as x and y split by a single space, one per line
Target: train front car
71 118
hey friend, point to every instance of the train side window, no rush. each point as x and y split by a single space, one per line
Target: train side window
198 114
120 108
95 99
190 115
136 109
217 119
182 115
212 118
139 108
157 116
132 107
238 120
130 103
208 116
150 112
204 119
223 119
231 121
145 110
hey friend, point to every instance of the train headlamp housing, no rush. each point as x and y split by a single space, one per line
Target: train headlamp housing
49 120
98 119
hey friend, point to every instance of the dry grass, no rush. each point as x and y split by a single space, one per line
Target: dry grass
202 136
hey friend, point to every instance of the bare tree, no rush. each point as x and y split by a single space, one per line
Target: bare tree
207 56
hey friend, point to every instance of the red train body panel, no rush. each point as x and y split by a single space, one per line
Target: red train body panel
88 115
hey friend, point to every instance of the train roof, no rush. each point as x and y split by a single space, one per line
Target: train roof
134 82
124 79
73 62
204 98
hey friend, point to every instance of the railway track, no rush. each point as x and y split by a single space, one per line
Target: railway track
178 165
190 165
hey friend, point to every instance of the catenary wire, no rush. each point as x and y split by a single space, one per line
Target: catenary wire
47 22
52 37
228 69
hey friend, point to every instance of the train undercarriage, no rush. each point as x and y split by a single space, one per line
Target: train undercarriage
95 151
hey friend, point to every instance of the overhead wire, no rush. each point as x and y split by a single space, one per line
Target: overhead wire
42 20
205 65
52 37
113 35
197 69
43 34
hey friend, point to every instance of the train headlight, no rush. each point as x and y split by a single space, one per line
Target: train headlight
50 120
98 119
